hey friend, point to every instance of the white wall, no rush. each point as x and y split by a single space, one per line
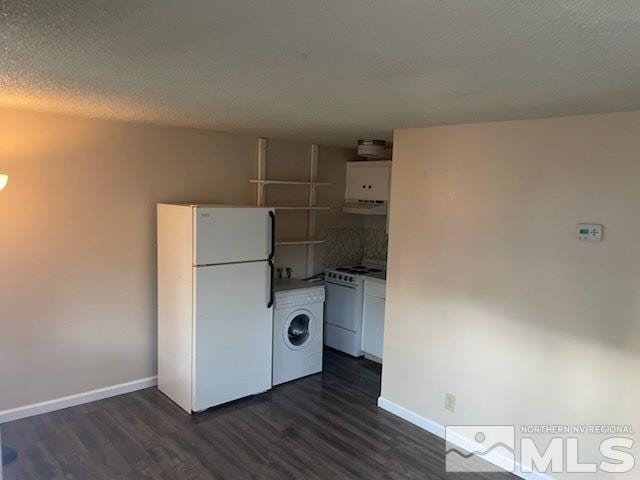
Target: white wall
77 241
490 296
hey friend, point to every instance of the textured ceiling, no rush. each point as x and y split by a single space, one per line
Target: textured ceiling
324 71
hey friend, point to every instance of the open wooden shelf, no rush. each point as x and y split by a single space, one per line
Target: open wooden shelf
299 241
289 182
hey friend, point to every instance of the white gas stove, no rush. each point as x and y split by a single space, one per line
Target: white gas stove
343 305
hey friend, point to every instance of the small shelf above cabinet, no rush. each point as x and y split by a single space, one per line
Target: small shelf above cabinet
299 241
290 182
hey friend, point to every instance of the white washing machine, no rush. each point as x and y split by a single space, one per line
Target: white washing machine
297 330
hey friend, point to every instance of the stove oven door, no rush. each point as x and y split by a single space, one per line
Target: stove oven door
341 306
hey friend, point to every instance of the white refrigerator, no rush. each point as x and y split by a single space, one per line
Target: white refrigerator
215 302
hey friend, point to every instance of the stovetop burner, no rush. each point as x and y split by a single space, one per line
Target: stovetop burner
348 270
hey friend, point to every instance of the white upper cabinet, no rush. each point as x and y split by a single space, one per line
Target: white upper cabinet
368 181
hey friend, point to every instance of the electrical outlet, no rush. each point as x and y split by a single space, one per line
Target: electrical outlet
450 402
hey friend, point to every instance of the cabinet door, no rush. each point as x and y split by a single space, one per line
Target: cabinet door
373 329
368 181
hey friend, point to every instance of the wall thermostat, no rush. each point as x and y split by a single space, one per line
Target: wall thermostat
589 232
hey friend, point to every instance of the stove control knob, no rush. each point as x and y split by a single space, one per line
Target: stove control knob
351 279
340 277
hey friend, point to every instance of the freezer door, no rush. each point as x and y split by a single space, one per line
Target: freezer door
226 235
233 333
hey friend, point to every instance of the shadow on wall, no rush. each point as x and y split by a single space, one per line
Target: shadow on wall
348 246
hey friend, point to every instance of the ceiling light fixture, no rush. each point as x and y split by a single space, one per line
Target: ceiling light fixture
371 148
3 180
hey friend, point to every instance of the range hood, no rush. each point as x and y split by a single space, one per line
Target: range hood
365 207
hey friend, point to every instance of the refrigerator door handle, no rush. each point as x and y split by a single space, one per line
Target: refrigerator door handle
273 234
271 289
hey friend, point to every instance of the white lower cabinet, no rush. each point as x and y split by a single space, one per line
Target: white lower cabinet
373 318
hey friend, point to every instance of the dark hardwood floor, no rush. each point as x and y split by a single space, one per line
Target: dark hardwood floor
322 427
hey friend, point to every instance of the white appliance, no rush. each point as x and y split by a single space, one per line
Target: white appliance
343 305
297 332
215 303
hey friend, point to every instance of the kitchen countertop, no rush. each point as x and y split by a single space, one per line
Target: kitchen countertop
283 284
380 277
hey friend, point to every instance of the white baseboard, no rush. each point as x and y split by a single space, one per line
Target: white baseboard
412 417
77 399
465 443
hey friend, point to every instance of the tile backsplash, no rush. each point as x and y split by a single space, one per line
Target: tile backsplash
348 246
375 244
343 246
